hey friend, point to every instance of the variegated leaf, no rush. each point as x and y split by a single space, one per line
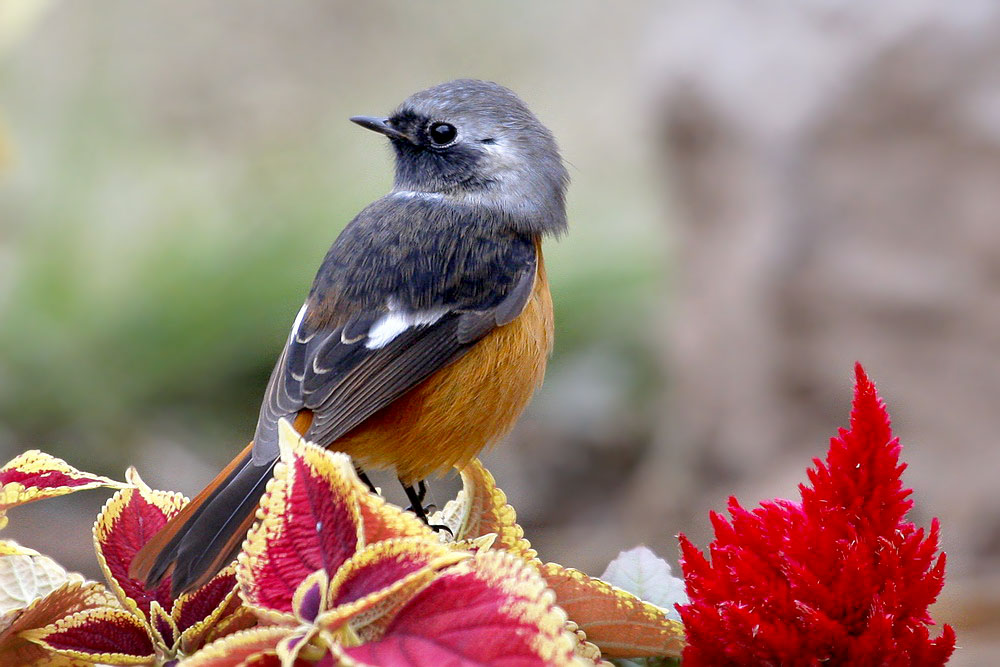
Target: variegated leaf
309 520
481 508
304 647
488 608
381 578
25 578
104 635
309 600
381 520
128 520
198 612
257 646
194 613
162 628
619 623
240 618
35 475
72 596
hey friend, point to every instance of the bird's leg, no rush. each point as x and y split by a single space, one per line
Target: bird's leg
364 478
416 497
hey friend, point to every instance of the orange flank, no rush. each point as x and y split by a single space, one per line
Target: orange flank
448 418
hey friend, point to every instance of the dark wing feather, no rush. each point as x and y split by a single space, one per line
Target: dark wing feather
343 382
477 323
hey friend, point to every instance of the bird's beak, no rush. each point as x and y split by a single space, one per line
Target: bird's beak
380 125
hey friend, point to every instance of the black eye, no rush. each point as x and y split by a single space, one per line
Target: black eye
442 134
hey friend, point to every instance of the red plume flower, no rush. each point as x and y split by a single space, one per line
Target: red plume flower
840 578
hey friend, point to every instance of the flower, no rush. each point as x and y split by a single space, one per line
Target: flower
839 578
142 627
346 578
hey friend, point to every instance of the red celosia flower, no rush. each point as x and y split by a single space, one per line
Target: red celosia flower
840 578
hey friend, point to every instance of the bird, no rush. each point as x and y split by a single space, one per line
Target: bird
427 328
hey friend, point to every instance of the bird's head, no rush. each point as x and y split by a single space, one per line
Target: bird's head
476 141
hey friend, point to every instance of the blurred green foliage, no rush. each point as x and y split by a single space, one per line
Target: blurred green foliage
139 289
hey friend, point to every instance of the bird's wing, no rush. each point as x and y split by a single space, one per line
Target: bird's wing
347 372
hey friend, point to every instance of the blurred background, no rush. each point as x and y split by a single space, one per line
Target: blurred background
762 194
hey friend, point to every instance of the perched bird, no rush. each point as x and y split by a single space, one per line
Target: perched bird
427 328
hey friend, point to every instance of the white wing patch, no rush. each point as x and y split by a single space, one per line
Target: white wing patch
396 322
298 323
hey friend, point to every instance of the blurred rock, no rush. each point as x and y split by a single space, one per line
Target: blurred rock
836 165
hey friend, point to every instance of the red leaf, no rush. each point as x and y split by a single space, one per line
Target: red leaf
34 475
386 565
381 577
129 519
235 618
384 521
324 531
492 609
45 479
72 596
256 646
163 628
102 635
311 521
199 604
310 597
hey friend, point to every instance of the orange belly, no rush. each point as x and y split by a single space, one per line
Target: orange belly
448 418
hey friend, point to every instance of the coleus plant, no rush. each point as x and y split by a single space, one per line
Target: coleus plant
139 626
332 574
346 578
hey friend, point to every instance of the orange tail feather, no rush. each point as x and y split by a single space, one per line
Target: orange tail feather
161 555
144 560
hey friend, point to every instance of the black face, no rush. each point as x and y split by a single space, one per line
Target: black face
435 156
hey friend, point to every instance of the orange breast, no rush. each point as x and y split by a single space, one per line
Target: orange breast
445 420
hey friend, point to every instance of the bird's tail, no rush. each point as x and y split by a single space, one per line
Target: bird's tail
207 533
